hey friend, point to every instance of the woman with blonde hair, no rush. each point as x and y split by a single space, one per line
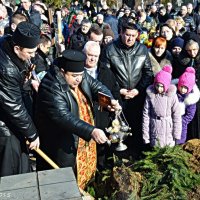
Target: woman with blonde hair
171 23
180 26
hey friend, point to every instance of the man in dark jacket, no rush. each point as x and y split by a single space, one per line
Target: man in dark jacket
15 123
28 10
129 61
189 21
64 114
81 36
163 16
41 60
170 10
112 21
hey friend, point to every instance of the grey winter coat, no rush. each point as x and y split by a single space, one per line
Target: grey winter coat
161 118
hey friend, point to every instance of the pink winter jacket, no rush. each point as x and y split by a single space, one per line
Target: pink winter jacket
162 123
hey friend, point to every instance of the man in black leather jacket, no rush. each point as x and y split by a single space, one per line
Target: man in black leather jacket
15 123
58 116
129 61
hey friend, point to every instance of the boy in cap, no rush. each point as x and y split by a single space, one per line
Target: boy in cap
16 123
65 117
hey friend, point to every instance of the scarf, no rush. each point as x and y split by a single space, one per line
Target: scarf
86 153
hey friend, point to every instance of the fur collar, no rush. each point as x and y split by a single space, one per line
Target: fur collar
186 60
156 66
169 93
193 97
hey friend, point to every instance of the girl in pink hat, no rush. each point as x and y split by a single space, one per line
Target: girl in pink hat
161 115
188 95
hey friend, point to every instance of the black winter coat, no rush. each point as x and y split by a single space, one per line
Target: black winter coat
131 66
57 117
189 23
32 15
78 40
41 61
15 122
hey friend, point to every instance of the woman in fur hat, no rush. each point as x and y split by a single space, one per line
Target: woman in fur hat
161 114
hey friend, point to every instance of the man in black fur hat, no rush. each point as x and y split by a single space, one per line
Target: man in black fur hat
16 125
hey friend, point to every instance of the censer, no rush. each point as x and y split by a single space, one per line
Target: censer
119 131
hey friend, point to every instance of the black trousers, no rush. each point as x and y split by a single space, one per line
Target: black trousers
133 109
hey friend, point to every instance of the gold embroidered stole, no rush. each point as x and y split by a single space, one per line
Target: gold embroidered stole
86 153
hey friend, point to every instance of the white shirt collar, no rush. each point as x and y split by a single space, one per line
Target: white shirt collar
92 72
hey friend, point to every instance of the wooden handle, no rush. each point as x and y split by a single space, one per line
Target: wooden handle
53 164
45 157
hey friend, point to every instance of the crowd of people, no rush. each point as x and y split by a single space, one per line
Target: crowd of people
147 60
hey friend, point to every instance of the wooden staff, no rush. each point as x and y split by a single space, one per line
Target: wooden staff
58 35
50 16
51 24
45 157
59 27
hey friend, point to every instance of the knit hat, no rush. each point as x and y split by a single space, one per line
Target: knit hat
164 77
177 42
26 35
187 79
107 31
72 61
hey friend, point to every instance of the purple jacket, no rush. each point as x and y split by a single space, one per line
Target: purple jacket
188 109
161 118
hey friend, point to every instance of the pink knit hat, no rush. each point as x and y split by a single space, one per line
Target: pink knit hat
164 77
187 79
